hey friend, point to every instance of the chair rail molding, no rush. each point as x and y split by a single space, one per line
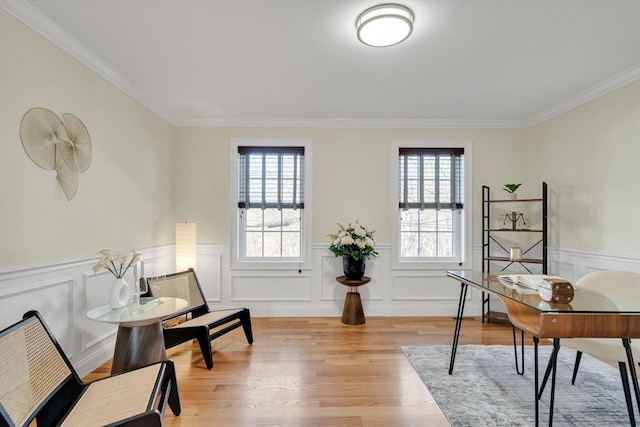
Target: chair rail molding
64 291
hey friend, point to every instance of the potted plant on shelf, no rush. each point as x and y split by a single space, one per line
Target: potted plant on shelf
355 244
511 189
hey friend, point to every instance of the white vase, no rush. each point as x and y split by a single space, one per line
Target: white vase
119 293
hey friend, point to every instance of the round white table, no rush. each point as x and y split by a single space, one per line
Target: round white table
140 341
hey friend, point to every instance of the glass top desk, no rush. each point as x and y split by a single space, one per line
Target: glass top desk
589 315
140 340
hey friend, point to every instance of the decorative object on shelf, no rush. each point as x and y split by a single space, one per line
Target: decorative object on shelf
514 221
515 217
504 222
55 144
556 290
515 254
117 265
511 189
523 223
354 243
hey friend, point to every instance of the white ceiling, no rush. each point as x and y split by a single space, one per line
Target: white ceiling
484 63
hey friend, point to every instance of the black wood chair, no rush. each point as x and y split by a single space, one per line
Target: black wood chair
196 321
37 381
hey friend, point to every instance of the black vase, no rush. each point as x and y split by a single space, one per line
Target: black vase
353 269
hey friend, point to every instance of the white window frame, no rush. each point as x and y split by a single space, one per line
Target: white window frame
464 260
244 263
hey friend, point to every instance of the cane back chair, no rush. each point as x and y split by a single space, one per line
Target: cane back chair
197 321
37 381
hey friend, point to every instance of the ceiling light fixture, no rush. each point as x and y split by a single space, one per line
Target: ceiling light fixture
384 25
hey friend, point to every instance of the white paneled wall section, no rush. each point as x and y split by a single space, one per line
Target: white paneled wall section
65 291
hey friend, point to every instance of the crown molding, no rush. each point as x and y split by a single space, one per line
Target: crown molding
51 31
589 94
585 96
41 24
346 123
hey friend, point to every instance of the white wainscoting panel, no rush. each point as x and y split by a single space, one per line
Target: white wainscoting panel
331 268
96 292
574 264
425 287
52 297
64 291
211 271
270 288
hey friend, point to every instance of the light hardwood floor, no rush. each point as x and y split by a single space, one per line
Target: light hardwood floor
316 372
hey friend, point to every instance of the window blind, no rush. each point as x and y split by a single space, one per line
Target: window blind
431 178
271 177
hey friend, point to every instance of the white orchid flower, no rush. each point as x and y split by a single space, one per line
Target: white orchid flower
117 265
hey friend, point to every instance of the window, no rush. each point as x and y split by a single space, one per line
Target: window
431 224
270 204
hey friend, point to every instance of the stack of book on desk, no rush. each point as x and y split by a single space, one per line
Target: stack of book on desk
551 288
528 281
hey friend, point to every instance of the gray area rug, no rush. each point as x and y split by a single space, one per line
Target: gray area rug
485 389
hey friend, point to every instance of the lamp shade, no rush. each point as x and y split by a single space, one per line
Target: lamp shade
384 25
185 246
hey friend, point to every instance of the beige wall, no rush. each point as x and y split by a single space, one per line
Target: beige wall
146 174
351 173
590 156
124 198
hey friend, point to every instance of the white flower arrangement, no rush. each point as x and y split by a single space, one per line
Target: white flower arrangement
353 240
116 264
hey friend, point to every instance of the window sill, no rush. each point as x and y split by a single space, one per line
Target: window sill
269 265
430 265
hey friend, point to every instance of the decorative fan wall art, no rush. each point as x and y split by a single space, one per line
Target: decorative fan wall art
55 144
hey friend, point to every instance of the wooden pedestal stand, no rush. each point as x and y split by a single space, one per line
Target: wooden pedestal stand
353 313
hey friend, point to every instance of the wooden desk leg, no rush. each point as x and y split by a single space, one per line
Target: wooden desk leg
138 346
456 333
353 313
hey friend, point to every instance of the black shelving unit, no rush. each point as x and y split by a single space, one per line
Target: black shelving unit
491 245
